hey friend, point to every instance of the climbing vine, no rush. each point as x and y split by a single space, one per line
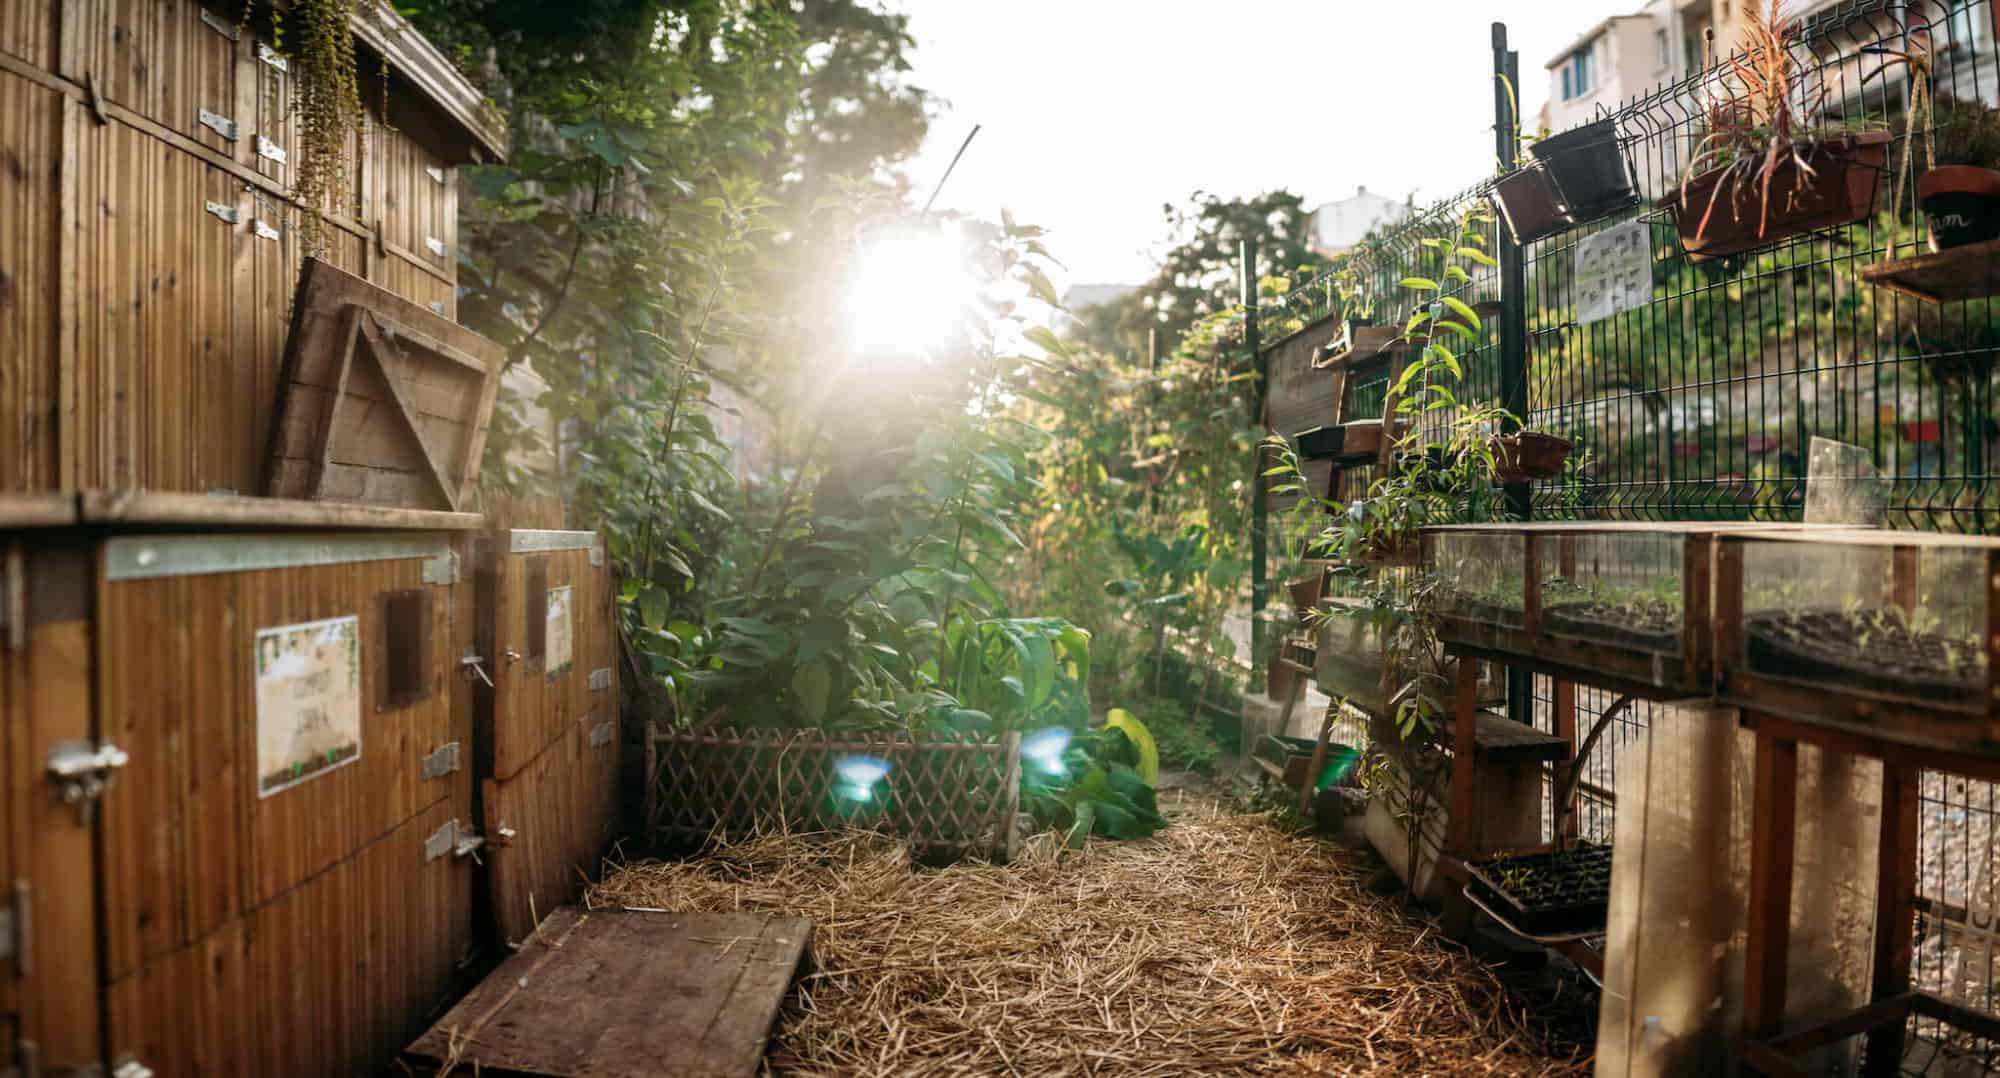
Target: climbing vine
327 103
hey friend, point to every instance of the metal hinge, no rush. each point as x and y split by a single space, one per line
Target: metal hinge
436 174
435 246
272 57
264 231
81 774
226 213
220 124
130 1068
442 761
597 551
453 838
602 733
437 305
474 666
600 678
219 24
442 569
271 150
16 942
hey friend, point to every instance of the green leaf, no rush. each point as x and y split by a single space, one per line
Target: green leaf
1038 283
1418 283
1478 256
1045 339
653 606
1149 753
810 684
1459 307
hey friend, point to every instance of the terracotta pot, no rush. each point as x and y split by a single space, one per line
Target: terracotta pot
1840 190
1306 591
1529 204
1961 205
1531 454
1588 170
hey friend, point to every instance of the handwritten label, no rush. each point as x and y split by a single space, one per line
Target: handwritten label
558 640
1614 271
308 701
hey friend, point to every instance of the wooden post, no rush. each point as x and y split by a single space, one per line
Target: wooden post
1774 809
1463 839
1565 706
1895 911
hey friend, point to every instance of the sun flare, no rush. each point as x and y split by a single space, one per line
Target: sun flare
909 291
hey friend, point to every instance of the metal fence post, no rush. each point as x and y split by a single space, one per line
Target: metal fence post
1513 317
1259 512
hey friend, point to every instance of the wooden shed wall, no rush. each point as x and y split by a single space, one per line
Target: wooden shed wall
144 330
534 708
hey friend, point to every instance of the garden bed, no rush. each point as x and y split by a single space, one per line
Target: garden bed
1558 893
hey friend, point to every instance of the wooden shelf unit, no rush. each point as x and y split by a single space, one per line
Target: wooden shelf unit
1969 272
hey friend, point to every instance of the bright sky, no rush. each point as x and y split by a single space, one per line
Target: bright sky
1096 112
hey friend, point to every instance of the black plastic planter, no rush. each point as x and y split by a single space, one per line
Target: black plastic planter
1548 894
1320 443
1588 170
1529 204
1961 204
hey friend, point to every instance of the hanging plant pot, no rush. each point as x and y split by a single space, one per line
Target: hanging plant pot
1961 205
1529 204
1306 591
1742 214
1531 454
1588 170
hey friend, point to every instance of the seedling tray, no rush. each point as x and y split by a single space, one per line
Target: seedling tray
1551 894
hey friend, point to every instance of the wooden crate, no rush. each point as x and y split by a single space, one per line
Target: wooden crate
1779 594
147 245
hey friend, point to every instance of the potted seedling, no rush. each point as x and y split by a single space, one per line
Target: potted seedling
1588 170
1763 172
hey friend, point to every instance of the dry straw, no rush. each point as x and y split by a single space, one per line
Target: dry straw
1219 946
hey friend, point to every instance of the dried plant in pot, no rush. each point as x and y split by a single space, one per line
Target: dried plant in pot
1762 173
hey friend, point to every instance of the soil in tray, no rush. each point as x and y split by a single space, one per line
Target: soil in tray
1870 649
1548 894
1642 626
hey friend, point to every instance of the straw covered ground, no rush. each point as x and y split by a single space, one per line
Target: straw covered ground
1222 945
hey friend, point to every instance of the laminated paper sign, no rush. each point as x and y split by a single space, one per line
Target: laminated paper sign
1614 271
558 638
308 701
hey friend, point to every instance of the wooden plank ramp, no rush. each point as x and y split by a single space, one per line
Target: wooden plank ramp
611 993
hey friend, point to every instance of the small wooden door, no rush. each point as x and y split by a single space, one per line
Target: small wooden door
48 882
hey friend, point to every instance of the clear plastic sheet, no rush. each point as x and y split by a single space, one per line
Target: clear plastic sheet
1843 485
1673 967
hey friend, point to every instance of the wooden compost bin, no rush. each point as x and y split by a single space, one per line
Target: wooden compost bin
148 244
237 783
1622 605
1890 634
549 735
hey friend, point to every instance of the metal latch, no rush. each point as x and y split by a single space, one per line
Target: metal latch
226 213
272 57
435 246
271 150
441 761
16 941
217 122
474 666
600 678
218 24
442 569
504 835
265 231
81 773
602 733
453 838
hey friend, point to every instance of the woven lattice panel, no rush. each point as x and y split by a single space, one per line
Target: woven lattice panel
957 793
